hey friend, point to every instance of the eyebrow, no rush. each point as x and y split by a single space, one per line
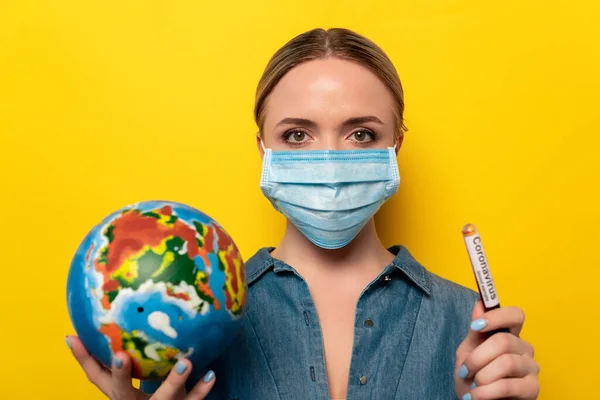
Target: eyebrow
312 124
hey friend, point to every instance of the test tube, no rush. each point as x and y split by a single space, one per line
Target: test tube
481 268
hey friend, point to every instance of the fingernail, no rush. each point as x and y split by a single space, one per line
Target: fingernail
463 372
68 341
118 362
180 368
467 396
473 385
478 324
209 376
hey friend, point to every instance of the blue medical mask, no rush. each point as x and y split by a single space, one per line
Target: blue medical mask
329 195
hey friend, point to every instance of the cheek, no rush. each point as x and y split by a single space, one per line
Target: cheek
387 138
269 139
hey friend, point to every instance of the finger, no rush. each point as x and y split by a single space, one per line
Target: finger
121 377
514 388
473 338
175 381
94 371
492 348
512 318
201 389
506 366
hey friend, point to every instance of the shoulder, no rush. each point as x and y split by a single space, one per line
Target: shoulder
450 304
451 293
258 264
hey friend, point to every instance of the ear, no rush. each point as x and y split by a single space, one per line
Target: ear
399 142
258 142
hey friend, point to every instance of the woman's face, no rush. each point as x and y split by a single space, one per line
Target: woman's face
329 104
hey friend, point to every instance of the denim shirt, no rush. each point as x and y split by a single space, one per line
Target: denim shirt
406 350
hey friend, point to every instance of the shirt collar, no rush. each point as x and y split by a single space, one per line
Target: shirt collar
406 263
403 261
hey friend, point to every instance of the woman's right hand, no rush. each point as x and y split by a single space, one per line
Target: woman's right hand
116 384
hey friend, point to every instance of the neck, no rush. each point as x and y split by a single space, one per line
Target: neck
365 252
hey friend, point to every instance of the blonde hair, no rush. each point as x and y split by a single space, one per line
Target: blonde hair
335 42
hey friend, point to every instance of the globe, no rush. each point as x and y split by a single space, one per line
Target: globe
158 280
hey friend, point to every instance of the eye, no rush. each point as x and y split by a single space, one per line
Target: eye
140 309
363 136
295 137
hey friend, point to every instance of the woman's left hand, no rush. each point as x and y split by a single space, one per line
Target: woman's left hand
499 366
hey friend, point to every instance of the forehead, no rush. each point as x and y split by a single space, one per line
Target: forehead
329 89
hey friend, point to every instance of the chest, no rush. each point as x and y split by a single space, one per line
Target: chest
307 341
335 306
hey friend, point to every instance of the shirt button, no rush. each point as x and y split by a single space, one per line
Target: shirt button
363 380
387 278
368 323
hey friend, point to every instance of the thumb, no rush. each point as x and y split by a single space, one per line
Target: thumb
473 338
478 310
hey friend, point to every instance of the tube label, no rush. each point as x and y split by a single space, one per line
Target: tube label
483 275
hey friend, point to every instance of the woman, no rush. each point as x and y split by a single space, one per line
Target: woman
332 313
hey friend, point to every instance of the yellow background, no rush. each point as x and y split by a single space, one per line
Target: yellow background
107 103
